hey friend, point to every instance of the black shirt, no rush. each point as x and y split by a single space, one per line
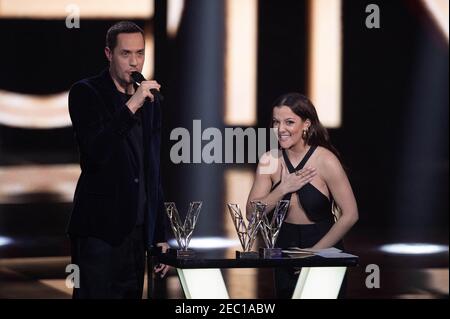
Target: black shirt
136 135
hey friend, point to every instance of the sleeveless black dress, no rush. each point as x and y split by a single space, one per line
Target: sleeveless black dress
318 208
316 205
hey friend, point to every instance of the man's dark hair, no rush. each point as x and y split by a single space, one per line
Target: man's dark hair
121 27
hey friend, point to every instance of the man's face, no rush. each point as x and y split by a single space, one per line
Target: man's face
127 56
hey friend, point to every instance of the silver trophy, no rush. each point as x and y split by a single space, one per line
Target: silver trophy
247 233
183 232
271 229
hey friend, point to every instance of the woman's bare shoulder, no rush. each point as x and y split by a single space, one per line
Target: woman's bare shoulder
270 163
326 159
270 157
275 153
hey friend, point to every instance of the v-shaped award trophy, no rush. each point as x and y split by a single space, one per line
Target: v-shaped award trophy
271 228
247 233
183 232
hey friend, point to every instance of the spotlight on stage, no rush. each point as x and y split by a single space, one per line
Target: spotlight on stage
5 241
414 248
208 243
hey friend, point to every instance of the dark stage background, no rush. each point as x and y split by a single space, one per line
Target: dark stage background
393 138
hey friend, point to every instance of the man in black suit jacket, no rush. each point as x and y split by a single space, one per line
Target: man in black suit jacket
118 207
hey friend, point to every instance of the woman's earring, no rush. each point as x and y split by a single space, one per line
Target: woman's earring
305 134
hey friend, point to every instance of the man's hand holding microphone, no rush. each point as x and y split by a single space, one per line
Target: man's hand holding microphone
144 89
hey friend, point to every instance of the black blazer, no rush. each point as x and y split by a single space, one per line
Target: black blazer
105 200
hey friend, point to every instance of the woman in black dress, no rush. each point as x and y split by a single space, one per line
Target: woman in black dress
307 171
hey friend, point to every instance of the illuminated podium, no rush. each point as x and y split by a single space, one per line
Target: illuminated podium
201 277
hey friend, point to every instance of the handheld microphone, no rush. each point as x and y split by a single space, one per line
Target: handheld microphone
138 78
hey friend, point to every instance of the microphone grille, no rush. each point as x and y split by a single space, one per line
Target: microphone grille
137 77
